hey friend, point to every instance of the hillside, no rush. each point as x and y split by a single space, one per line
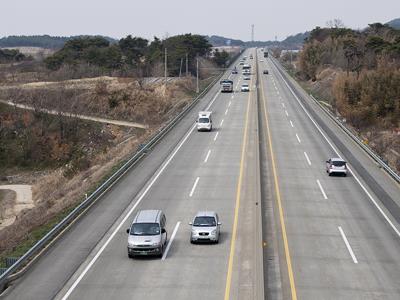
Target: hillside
42 41
395 23
291 42
358 74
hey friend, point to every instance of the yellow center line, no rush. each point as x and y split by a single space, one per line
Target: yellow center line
237 204
279 201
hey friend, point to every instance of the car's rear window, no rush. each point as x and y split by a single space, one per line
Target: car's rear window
204 120
204 221
338 163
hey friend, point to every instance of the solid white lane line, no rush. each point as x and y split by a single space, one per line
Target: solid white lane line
226 112
308 160
291 123
94 259
348 245
222 122
287 114
229 104
215 137
337 153
207 156
321 188
170 240
194 186
297 136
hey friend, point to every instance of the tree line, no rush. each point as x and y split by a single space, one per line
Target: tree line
136 54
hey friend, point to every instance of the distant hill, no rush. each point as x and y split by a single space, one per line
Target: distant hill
42 41
395 23
218 41
291 42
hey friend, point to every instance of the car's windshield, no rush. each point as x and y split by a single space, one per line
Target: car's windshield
145 229
338 163
204 120
204 221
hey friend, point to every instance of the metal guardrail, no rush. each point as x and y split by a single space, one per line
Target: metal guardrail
354 137
55 231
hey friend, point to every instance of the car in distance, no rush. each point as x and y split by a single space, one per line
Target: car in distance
147 234
336 166
204 121
265 72
247 77
205 227
234 71
245 87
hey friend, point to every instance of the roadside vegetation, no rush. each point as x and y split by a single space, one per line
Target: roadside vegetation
358 74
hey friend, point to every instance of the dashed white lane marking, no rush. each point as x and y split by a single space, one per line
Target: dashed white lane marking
215 137
171 240
226 112
307 158
322 190
348 245
291 123
229 104
207 156
287 114
232 96
283 105
194 186
277 91
297 136
222 122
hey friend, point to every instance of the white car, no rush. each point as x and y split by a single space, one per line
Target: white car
204 121
247 77
336 166
245 87
205 227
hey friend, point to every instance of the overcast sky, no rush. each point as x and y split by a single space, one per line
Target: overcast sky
148 18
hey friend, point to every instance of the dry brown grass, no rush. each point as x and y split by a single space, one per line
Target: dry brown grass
53 193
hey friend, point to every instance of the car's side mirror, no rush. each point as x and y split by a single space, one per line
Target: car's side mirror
163 230
190 223
127 231
219 223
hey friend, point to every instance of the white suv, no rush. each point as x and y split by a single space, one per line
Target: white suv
204 121
336 166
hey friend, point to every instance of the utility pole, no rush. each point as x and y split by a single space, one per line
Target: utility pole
187 65
180 68
165 71
197 74
252 33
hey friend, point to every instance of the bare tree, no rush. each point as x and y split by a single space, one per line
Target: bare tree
335 23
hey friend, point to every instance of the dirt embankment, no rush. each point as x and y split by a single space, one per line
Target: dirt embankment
63 158
383 137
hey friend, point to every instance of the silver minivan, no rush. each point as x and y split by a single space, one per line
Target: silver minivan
147 234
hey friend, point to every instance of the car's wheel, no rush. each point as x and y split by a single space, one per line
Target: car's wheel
130 255
330 174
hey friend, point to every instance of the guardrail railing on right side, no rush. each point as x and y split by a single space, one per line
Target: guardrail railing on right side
354 137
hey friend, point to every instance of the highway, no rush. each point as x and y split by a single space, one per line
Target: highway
289 231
